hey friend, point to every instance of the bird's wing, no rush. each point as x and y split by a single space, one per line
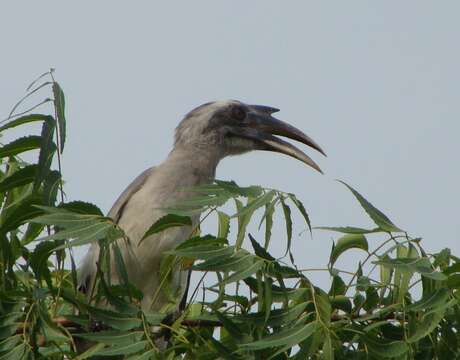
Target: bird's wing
117 209
88 268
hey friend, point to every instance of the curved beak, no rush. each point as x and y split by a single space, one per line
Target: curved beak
261 127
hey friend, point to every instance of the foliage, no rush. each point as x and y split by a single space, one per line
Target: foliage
399 303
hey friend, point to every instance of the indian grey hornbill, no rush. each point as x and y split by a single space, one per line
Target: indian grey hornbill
205 136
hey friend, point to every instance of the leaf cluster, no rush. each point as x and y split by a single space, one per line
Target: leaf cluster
398 301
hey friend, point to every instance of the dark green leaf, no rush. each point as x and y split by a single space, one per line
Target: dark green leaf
240 275
427 324
346 242
384 348
349 230
286 337
115 319
24 120
167 222
435 300
23 176
379 218
123 349
21 145
18 353
301 208
81 207
341 302
259 250
224 225
288 220
110 337
47 150
255 204
59 103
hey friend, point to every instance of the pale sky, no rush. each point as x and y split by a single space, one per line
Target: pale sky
376 84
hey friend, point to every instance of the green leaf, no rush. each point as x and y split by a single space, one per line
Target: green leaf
110 337
268 217
207 240
23 176
288 220
426 325
116 320
47 150
240 275
453 282
278 317
346 242
21 145
81 207
81 235
10 343
243 222
302 210
146 355
238 261
235 190
66 219
286 337
203 252
167 222
322 306
123 349
25 211
379 218
59 103
385 348
349 230
224 225
435 300
259 250
419 265
338 286
24 120
19 352
341 302
51 187
328 349
255 204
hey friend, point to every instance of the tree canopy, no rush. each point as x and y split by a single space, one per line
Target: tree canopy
399 302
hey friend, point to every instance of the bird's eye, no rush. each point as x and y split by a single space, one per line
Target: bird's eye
238 113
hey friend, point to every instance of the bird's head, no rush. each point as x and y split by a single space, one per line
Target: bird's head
232 127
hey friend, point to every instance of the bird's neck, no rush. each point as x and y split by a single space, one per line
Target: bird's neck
192 166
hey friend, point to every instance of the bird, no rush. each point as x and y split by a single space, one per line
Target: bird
205 136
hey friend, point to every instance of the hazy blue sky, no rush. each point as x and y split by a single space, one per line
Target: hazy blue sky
375 83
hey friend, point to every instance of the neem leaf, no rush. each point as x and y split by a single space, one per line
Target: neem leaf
350 241
59 103
167 222
428 323
286 337
259 250
385 348
348 229
437 299
24 120
224 224
82 207
379 218
255 204
21 145
22 177
240 275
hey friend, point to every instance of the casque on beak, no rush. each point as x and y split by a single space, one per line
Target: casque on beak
261 127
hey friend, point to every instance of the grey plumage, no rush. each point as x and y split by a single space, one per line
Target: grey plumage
206 135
